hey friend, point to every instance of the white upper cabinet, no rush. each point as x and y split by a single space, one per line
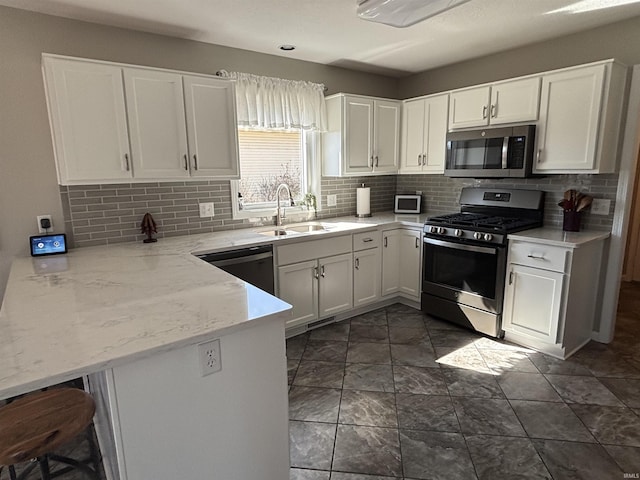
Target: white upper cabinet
511 101
115 123
156 123
386 136
424 131
469 108
514 101
580 115
211 127
363 136
88 120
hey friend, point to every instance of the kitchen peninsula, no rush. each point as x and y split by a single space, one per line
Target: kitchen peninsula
131 317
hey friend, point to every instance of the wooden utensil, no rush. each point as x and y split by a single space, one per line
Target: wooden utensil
584 202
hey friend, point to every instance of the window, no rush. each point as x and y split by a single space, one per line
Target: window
269 157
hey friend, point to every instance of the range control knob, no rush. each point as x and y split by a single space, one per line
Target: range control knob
433 229
477 236
457 232
488 237
442 230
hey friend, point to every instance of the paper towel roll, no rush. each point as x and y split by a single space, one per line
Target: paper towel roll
363 197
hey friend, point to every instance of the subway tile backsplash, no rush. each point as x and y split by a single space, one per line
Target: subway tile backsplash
104 214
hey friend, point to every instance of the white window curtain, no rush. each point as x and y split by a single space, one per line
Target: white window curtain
268 102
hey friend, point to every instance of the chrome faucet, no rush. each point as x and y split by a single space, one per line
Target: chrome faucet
282 186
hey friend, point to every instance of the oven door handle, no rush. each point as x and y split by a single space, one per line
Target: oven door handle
460 246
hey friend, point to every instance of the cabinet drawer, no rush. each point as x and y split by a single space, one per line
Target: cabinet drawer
365 240
539 256
311 249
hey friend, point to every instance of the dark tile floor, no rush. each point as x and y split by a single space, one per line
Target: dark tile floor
395 394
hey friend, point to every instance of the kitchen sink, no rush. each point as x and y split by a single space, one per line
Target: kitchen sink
295 229
306 228
278 232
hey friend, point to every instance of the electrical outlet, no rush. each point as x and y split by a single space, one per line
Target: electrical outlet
209 355
600 206
39 219
206 209
332 200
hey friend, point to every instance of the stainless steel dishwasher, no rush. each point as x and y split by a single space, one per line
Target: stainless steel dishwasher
252 264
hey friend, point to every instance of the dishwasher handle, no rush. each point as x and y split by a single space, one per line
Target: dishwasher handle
238 260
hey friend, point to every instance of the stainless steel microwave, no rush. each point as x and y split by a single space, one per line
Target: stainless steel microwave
491 152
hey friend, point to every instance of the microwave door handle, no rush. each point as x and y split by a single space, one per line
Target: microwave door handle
505 153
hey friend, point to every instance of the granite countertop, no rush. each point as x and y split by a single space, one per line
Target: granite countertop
558 237
97 307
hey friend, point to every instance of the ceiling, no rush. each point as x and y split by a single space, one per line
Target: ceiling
329 32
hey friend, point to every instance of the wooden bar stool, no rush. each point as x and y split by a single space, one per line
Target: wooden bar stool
36 424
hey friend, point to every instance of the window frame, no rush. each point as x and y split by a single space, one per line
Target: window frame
311 180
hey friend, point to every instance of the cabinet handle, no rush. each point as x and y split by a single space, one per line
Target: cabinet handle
537 257
510 277
417 242
371 166
385 242
322 271
493 111
315 273
186 163
484 112
367 240
126 162
424 159
538 156
419 159
195 162
376 161
357 264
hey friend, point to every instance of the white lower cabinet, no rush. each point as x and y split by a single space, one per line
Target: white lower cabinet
551 294
316 278
367 268
401 262
534 298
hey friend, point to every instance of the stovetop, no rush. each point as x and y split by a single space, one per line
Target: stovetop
488 215
477 228
483 222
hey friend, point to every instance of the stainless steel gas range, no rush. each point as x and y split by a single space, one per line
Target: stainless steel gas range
465 255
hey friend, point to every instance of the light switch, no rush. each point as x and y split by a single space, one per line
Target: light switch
332 200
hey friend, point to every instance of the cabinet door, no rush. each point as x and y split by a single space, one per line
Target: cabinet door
567 133
390 262
210 105
386 136
515 101
413 131
335 285
469 108
533 299
298 285
155 107
358 135
410 247
88 120
435 151
366 276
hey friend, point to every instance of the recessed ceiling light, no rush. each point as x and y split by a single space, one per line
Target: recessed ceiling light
287 48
